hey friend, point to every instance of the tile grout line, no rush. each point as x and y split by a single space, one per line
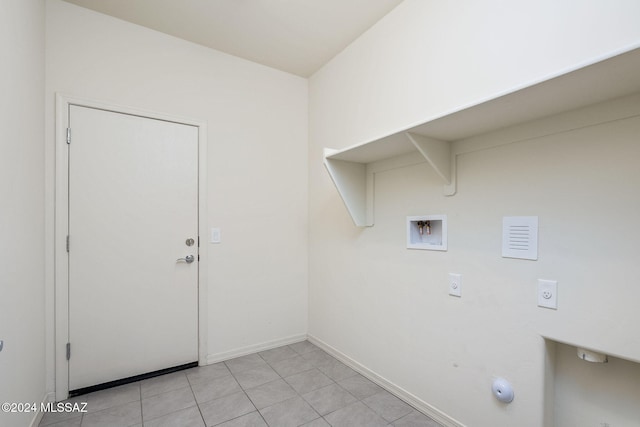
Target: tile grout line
196 400
173 390
243 391
248 397
296 391
141 412
283 379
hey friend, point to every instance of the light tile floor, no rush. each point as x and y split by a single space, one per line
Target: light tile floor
294 385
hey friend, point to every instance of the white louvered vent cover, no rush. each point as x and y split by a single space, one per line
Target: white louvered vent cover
520 237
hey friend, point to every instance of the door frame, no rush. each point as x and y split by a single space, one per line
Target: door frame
61 228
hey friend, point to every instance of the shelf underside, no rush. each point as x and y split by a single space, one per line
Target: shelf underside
353 169
608 79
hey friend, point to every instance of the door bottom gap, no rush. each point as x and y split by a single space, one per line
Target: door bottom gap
128 380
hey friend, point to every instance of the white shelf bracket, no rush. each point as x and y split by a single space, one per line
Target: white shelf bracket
450 188
350 179
439 155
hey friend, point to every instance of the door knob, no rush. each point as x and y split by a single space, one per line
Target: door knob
188 259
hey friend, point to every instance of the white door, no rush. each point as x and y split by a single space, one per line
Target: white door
133 205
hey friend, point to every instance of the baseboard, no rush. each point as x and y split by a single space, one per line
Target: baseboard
243 351
399 392
37 417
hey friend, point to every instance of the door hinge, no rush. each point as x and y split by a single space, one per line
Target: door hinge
68 135
68 350
67 243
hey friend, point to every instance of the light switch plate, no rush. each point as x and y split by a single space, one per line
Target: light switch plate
455 284
215 235
548 294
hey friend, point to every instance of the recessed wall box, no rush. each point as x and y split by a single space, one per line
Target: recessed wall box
427 232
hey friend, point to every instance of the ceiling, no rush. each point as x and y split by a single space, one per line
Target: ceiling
296 36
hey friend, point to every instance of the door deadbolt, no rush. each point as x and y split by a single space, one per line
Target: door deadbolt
189 242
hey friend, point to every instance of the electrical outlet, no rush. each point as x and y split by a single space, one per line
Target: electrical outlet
455 285
548 294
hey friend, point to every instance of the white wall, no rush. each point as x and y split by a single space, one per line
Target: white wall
595 394
257 151
387 307
427 57
22 362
